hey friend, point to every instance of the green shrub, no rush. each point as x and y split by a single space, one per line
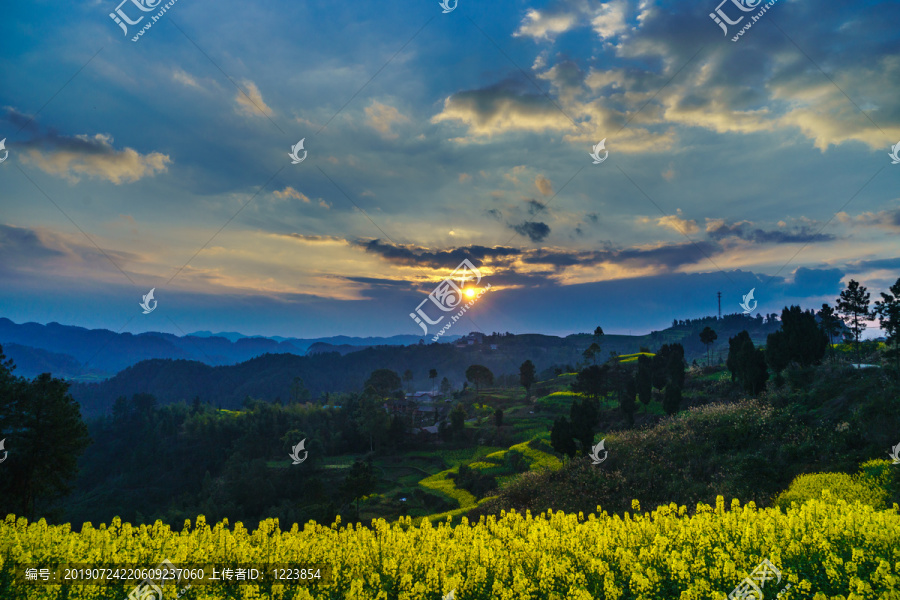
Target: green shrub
474 481
842 487
515 461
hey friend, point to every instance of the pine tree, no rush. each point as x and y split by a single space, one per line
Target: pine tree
672 399
707 337
644 382
888 311
853 305
561 437
800 340
628 400
526 376
747 363
432 375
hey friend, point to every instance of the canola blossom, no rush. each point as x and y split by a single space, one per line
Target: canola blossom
825 550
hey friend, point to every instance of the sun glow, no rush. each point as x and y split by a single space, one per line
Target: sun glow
470 292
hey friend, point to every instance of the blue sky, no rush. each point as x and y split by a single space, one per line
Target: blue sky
433 137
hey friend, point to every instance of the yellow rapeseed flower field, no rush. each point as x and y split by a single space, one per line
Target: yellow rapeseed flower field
825 550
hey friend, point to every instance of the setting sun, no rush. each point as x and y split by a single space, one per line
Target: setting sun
470 292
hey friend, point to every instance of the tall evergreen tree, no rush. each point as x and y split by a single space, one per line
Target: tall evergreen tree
800 340
672 399
583 417
658 373
888 311
526 375
360 481
644 382
592 381
853 306
432 375
628 400
707 337
561 437
747 363
675 365
408 377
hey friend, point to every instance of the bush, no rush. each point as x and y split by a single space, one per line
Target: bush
515 461
841 486
474 481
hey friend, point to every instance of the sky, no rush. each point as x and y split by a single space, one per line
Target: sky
433 134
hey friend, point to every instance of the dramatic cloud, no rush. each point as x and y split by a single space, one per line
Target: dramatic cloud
83 155
533 230
816 282
717 229
502 108
450 149
447 259
662 258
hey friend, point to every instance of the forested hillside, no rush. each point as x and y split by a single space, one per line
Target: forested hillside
270 377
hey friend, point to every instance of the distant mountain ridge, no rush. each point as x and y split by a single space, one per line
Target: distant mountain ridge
179 368
335 369
77 352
